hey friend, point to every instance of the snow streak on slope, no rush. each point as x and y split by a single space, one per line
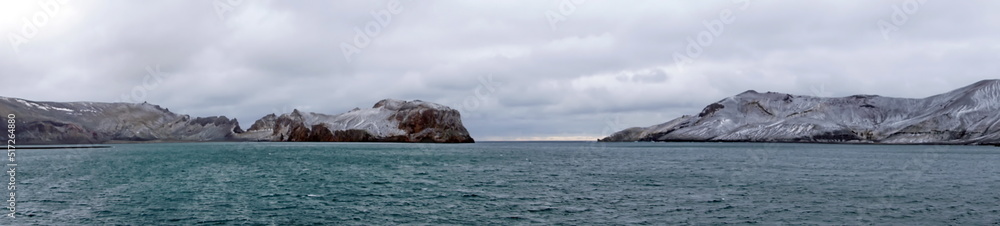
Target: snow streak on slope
964 116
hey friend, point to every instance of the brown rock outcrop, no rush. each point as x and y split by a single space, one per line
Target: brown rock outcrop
387 121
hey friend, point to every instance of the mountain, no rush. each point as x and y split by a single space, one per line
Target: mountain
969 115
40 122
387 121
93 122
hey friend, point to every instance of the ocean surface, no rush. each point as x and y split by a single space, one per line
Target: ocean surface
509 183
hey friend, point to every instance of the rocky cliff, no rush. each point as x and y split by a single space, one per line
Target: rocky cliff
387 121
93 122
969 115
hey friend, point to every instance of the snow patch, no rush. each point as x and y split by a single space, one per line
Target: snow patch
394 104
44 106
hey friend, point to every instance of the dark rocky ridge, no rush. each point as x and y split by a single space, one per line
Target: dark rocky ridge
968 115
94 122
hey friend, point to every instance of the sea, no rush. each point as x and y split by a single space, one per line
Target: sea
508 183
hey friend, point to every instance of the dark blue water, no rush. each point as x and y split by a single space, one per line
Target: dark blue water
509 183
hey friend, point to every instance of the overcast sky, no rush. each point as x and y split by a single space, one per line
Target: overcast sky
550 69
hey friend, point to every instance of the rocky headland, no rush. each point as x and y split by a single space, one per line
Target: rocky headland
387 121
40 122
968 115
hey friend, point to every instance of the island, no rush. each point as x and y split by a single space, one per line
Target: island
968 115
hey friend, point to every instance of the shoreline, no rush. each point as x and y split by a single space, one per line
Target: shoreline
65 147
793 142
108 144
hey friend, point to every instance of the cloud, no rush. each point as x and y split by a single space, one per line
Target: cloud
545 80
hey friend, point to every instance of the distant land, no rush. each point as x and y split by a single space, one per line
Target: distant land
968 115
388 120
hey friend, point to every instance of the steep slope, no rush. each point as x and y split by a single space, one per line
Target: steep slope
388 120
93 122
968 115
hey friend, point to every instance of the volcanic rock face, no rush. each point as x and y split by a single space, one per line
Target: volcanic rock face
92 122
969 115
388 121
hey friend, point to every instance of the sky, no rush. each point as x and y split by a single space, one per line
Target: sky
516 70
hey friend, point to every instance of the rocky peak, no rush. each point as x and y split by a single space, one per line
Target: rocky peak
395 105
389 104
263 123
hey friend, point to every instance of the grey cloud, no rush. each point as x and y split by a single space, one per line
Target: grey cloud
605 59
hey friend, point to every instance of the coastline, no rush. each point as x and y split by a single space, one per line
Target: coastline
65 147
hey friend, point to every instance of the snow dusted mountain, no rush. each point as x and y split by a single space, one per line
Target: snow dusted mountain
389 120
969 115
93 122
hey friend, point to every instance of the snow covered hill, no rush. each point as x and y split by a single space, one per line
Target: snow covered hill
969 115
